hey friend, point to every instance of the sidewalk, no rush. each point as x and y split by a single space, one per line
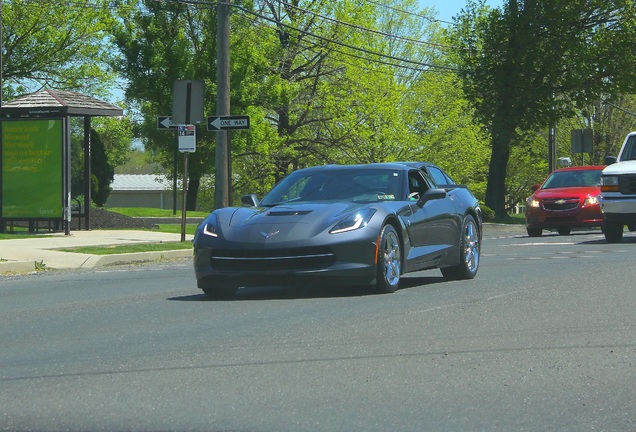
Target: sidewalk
24 254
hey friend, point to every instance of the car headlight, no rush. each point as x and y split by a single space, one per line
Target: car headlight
609 184
211 226
534 203
591 200
353 221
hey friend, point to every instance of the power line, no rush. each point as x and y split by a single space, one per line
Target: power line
354 48
408 13
365 29
208 4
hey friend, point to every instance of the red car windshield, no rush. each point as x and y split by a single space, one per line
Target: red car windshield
574 178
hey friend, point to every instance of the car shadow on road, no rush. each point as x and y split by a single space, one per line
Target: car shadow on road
291 293
626 240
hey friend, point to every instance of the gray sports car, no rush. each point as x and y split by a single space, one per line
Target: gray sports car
342 225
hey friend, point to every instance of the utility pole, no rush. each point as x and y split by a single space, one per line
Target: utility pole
552 148
221 174
1 55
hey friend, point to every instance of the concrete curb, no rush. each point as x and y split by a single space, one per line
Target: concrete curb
94 261
17 267
137 257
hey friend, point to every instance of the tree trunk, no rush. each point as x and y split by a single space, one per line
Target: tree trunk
191 193
502 137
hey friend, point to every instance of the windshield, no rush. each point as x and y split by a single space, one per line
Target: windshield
357 185
629 149
578 178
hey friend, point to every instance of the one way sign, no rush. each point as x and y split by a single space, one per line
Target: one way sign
228 122
165 122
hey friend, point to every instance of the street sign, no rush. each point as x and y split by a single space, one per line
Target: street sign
228 122
187 101
187 138
165 122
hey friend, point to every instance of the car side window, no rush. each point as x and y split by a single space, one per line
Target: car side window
439 177
417 185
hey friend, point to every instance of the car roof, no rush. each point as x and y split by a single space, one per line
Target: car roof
581 168
377 165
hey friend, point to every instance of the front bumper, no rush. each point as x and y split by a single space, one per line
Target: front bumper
347 264
589 216
619 208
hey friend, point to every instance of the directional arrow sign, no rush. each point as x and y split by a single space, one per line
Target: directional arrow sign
228 122
165 122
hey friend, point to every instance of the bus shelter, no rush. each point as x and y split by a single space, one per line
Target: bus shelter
35 156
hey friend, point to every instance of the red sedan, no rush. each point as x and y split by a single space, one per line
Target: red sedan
568 198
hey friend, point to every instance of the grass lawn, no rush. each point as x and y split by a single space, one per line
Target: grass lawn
152 212
129 248
17 232
176 228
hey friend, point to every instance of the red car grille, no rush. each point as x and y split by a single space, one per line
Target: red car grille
272 259
561 204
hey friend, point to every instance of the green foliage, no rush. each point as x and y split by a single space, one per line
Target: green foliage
116 134
531 63
161 42
102 172
62 47
488 214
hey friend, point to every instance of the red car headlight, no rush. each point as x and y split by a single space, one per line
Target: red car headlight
591 200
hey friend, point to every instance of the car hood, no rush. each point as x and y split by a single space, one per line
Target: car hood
283 223
620 168
569 192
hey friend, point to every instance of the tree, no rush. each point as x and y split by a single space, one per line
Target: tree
537 61
322 82
102 172
64 47
161 42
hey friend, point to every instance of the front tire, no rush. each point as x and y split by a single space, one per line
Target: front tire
564 231
389 261
613 232
534 232
469 252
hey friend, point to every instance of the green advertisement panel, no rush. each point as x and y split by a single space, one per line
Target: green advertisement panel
32 164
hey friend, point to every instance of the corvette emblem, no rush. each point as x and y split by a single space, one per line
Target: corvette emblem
266 235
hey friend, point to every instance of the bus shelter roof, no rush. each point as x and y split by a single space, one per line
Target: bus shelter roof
56 103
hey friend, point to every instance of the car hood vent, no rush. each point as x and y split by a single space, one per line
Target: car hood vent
289 212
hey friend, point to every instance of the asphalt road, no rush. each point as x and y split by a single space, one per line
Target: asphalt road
544 339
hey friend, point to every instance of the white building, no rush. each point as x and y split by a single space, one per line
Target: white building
143 190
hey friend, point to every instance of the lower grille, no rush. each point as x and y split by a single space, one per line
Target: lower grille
272 259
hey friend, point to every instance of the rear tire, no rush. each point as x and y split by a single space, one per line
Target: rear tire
389 261
564 231
613 232
534 232
469 252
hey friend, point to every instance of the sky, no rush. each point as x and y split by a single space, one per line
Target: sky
448 8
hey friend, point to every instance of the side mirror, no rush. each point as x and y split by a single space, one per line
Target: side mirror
610 160
249 200
534 188
431 194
